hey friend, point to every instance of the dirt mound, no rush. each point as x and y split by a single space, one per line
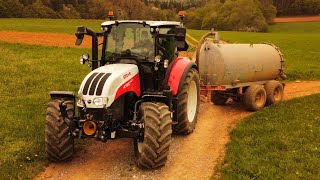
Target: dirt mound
297 19
191 157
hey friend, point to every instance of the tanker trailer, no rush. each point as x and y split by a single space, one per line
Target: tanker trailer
247 72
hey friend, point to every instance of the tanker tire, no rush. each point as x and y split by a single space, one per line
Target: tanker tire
186 124
255 97
217 98
153 150
59 145
274 90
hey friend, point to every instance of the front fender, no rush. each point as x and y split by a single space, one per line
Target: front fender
177 72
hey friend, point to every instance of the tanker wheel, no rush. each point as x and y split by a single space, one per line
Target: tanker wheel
188 104
255 97
152 149
218 98
59 143
274 90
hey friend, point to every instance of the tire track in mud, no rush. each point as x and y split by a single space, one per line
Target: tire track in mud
194 156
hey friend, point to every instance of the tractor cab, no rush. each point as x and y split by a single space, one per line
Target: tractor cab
144 39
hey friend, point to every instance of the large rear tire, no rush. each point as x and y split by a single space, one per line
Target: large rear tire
218 98
255 97
188 104
153 149
274 90
59 143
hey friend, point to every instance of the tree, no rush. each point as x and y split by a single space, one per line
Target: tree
69 12
38 10
12 8
241 15
269 11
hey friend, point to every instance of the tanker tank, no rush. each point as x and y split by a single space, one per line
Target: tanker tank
229 68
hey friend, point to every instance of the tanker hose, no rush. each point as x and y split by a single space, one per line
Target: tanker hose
203 38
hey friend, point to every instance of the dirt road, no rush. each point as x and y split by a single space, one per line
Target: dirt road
191 157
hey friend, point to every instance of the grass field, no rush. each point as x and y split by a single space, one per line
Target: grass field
68 26
299 42
28 74
278 142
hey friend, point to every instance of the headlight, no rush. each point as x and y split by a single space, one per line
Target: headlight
99 101
166 63
85 57
157 59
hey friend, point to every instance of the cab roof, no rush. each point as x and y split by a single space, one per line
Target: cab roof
150 23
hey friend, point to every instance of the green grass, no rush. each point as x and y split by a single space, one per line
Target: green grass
28 74
299 42
278 142
68 26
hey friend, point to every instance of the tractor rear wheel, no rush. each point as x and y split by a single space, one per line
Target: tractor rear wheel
218 98
255 97
188 104
152 149
59 143
274 90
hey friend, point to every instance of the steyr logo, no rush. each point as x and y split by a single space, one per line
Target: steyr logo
126 75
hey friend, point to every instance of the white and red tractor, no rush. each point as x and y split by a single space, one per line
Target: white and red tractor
138 89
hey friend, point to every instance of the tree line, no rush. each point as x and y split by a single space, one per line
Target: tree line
297 7
239 15
95 9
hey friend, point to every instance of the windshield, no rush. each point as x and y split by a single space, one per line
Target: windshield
130 37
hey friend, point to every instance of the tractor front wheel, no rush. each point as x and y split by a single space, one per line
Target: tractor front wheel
188 104
59 143
152 148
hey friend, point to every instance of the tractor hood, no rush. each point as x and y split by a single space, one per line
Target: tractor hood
103 85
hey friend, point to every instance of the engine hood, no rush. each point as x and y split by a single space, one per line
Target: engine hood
107 83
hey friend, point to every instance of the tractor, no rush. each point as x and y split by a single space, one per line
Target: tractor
139 88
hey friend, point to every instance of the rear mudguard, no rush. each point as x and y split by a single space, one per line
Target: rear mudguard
177 72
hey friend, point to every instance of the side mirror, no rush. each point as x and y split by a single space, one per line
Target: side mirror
180 37
80 34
